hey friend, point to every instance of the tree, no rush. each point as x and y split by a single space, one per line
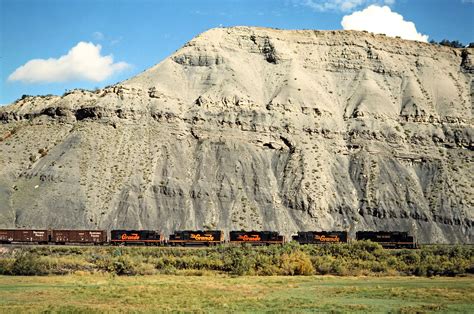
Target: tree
454 43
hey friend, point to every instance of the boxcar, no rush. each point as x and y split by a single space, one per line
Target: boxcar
388 239
79 236
24 236
206 237
320 237
256 237
143 237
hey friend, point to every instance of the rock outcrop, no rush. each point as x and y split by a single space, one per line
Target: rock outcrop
252 128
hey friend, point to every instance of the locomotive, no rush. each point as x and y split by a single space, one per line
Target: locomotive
143 237
320 237
256 237
190 237
388 239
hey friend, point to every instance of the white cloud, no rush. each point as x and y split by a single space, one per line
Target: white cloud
98 35
341 5
116 40
82 62
382 20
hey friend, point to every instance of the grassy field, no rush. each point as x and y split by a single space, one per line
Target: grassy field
217 293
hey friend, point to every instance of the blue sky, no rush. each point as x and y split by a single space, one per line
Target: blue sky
138 34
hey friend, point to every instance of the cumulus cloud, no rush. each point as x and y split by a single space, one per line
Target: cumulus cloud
382 20
342 5
82 62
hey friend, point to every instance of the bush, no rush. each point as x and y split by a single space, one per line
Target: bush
357 258
322 264
124 266
296 263
6 265
238 262
454 43
28 264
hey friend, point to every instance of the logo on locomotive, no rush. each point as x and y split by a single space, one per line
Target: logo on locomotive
205 237
131 237
323 238
246 237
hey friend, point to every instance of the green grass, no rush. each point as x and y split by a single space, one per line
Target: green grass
217 293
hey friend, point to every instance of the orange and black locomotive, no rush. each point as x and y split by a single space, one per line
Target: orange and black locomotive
320 237
143 237
190 237
256 237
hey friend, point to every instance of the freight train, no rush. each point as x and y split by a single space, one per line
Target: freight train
388 239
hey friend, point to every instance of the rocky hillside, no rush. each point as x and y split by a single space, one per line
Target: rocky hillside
258 129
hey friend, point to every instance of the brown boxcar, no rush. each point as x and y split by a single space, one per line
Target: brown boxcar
24 236
79 236
207 237
256 237
144 237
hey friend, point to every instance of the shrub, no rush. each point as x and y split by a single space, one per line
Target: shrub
238 262
43 152
28 264
124 266
322 264
6 265
296 263
358 258
453 43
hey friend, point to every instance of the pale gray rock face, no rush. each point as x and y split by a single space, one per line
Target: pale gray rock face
251 128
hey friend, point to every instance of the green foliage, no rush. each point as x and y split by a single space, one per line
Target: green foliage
6 265
296 263
450 43
239 261
453 43
357 258
28 264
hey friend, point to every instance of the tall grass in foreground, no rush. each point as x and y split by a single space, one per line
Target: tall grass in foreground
357 258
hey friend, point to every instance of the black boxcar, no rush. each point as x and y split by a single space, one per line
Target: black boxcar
79 236
207 237
256 237
24 236
144 237
320 237
388 239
